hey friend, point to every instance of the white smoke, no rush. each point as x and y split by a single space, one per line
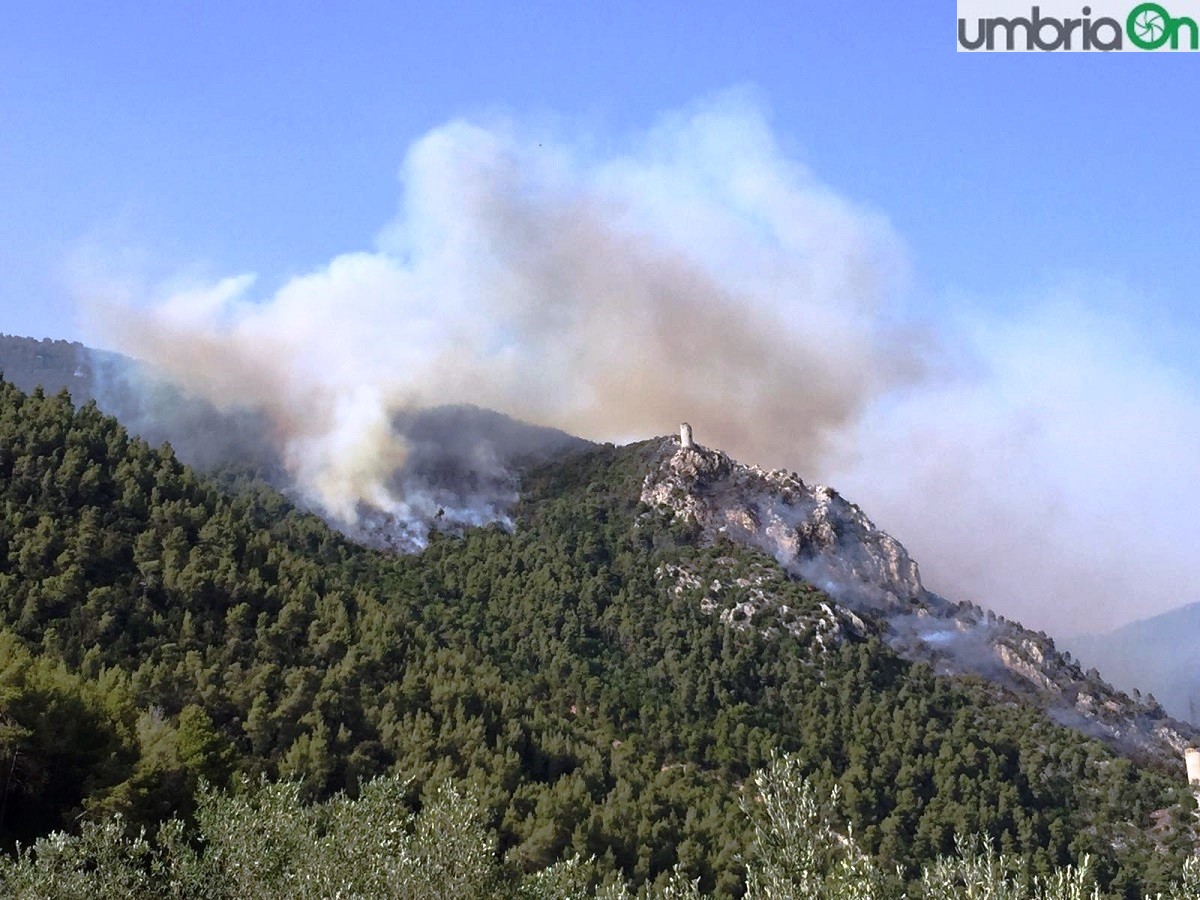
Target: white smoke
1052 473
699 273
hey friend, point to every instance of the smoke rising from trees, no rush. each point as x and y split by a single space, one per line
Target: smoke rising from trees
699 273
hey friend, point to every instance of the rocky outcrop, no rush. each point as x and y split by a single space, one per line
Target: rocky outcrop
738 596
818 536
812 531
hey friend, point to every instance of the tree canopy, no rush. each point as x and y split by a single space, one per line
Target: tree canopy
160 629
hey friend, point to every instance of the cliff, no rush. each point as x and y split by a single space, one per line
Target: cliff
818 536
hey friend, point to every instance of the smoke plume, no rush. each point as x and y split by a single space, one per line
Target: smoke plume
697 273
701 274
1052 473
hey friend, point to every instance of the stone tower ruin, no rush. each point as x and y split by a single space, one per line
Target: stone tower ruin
1191 756
685 436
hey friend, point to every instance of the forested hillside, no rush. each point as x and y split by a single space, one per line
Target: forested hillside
161 628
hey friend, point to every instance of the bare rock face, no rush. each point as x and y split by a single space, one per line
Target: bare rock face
818 536
813 532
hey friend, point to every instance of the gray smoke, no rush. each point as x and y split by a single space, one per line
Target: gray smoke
160 410
1052 474
700 273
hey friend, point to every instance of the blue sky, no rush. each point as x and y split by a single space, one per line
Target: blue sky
266 137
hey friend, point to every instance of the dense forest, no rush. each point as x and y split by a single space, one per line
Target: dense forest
164 630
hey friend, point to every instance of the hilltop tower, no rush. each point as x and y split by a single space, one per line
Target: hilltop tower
1191 756
685 438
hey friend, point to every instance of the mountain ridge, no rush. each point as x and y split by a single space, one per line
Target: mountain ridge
460 464
583 670
817 535
464 468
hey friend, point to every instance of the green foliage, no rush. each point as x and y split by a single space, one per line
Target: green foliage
102 862
157 632
978 871
797 854
65 741
264 842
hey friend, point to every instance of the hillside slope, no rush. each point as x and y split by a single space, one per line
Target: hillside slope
818 536
580 671
461 463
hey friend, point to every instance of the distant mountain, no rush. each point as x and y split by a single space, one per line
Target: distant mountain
147 404
462 470
1158 655
53 365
